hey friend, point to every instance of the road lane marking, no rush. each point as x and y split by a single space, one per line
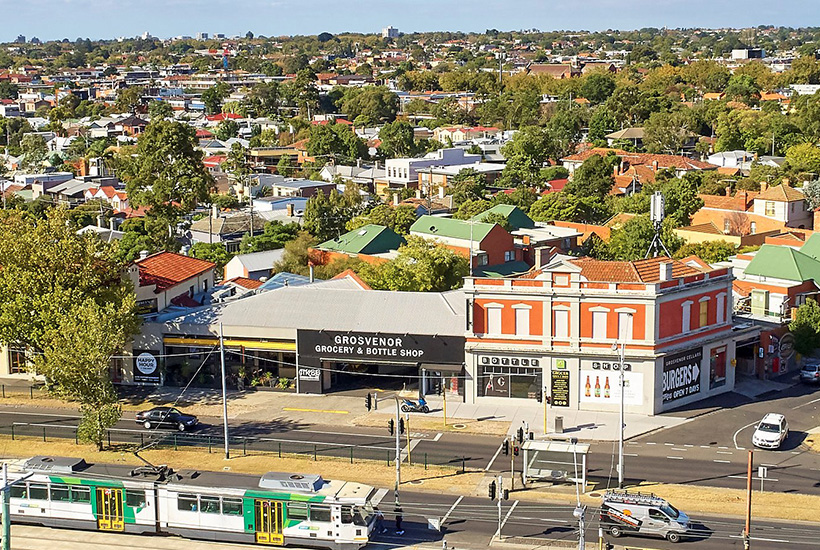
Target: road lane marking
728 447
705 447
675 457
493 458
630 454
651 443
754 478
724 452
314 410
721 461
688 445
677 449
734 438
438 436
668 444
450 511
769 465
761 539
40 414
805 404
510 511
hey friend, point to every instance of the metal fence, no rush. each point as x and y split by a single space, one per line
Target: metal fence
270 446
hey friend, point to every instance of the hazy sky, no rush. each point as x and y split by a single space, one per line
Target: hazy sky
50 19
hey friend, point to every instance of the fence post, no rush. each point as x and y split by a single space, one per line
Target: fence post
209 444
314 453
44 433
4 391
12 432
31 391
175 442
351 455
280 449
388 457
76 436
245 447
425 461
109 439
463 465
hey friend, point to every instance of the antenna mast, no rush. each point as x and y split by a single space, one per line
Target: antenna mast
656 214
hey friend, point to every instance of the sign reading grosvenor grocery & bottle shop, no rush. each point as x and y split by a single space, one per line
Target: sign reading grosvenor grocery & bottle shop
369 346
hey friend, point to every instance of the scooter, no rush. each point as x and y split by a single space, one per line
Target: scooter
413 406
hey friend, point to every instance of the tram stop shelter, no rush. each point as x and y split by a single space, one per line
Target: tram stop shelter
554 460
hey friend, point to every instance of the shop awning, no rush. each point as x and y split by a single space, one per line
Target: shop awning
443 367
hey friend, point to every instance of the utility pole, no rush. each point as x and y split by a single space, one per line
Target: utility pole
622 385
747 529
224 393
500 496
512 467
398 451
579 511
7 504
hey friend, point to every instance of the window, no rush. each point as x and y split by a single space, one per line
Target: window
522 321
209 504
624 326
727 226
297 511
493 320
61 493
347 514
187 502
657 515
770 208
81 494
704 313
319 513
482 259
232 506
18 491
721 308
37 491
686 313
135 498
17 360
599 324
509 255
561 323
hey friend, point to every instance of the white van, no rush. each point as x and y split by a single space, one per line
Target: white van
642 514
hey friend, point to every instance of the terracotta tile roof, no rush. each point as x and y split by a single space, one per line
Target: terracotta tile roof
782 193
244 282
166 269
708 227
644 159
737 203
639 271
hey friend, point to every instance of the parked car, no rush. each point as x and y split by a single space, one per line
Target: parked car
810 373
771 432
166 417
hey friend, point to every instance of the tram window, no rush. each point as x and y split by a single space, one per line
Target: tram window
18 491
347 514
81 494
232 506
359 516
187 503
37 492
60 492
135 498
209 505
297 510
319 513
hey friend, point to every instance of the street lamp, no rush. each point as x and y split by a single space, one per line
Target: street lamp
623 330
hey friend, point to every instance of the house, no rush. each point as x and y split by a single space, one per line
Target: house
488 244
441 177
226 228
166 278
293 206
555 70
654 163
371 243
290 187
404 172
635 135
131 126
530 236
741 160
256 265
555 329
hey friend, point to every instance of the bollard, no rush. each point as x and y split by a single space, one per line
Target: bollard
351 455
12 432
463 465
31 391
44 433
425 461
314 453
109 439
388 458
244 447
142 442
175 442
4 391
76 437
280 449
209 444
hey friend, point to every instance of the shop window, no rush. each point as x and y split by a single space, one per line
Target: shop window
599 325
561 317
494 319
704 313
686 317
717 367
517 382
522 321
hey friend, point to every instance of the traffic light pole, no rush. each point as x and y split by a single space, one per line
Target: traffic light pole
512 470
398 450
500 496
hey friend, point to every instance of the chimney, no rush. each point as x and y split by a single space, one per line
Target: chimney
100 221
541 257
290 209
143 254
763 186
666 271
816 215
112 224
744 196
787 182
654 165
395 199
358 163
441 192
728 190
214 211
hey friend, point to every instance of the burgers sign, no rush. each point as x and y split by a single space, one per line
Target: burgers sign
681 374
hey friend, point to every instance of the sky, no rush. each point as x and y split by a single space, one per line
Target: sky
102 19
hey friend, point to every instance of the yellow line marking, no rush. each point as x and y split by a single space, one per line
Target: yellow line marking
314 410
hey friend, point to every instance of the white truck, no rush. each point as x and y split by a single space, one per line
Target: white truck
628 513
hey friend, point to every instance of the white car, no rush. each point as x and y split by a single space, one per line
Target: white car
771 432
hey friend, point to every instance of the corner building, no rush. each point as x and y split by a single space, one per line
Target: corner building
559 330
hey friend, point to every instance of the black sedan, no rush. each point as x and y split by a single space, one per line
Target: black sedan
166 417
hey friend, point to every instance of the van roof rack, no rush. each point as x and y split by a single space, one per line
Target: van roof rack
625 497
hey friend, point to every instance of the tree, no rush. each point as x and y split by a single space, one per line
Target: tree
806 328
336 141
598 86
632 240
8 90
470 208
227 129
812 191
296 256
398 218
128 99
160 109
568 207
742 87
212 252
34 149
467 185
213 97
285 166
165 174
526 154
710 252
421 266
594 177
668 132
326 215
804 158
275 235
73 312
397 140
369 105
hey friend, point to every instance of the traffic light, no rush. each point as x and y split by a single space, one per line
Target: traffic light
401 426
549 400
492 490
506 494
506 447
521 435
368 401
516 450
391 426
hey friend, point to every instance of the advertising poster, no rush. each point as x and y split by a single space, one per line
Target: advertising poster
681 374
146 367
559 389
604 387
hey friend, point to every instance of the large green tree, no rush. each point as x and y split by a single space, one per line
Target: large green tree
421 266
526 154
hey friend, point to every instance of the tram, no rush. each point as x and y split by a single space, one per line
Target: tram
276 509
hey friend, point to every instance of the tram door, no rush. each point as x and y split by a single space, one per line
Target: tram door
269 522
109 509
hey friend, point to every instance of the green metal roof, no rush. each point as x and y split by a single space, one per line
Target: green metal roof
449 227
812 246
502 270
514 215
368 239
782 262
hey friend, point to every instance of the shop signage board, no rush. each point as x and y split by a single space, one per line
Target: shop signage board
681 374
559 388
146 367
380 347
598 386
